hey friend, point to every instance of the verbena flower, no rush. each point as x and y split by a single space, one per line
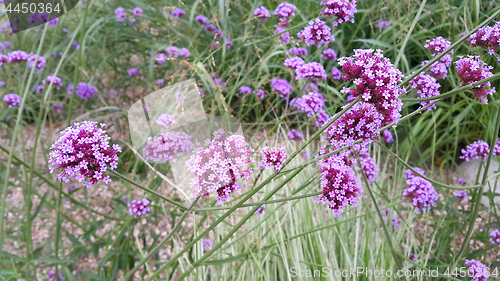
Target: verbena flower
207 244
58 107
219 164
461 181
284 11
119 10
185 52
285 36
420 191
167 146
218 33
298 51
134 72
201 19
321 118
282 86
294 134
317 32
17 56
438 45
215 45
53 79
471 69
340 185
41 63
120 16
361 122
178 13
273 158
495 237
245 90
83 150
329 54
262 13
12 100
388 138
477 270
51 275
368 164
83 90
172 51
160 81
294 62
344 10
427 87
138 208
382 25
310 70
336 74
260 93
259 211
133 21
161 58
376 82
487 37
229 43
137 11
165 120
461 194
210 27
310 103
413 257
409 174
475 150
395 221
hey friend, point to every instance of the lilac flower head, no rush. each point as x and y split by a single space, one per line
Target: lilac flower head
284 11
310 70
40 63
201 19
471 69
185 52
245 90
388 138
12 100
210 27
160 81
285 36
262 13
178 13
438 45
329 54
17 56
219 164
134 72
298 51
259 211
421 192
409 174
321 118
167 146
294 134
83 90
427 87
361 122
83 150
137 11
51 275
475 150
132 21
336 74
413 257
382 25
119 10
260 93
461 194
165 120
218 33
487 37
376 82
310 103
477 270
58 107
294 62
172 51
274 157
396 220
344 10
317 32
495 237
461 181
138 208
53 79
229 43
282 86
7 44
340 185
161 58
207 244
215 45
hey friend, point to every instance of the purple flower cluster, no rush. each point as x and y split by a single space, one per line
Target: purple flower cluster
41 63
298 51
137 11
51 275
167 146
329 54
17 56
487 37
477 270
284 11
461 181
388 138
120 14
376 82
396 220
83 150
321 118
260 93
317 32
336 74
245 90
83 90
294 134
310 71
340 185
368 164
361 122
495 237
262 13
382 25
438 45
294 62
219 164
344 10
421 191
165 120
177 13
138 208
282 86
471 69
201 19
134 72
274 157
259 211
461 194
310 103
285 36
427 87
475 150
12 100
207 244
54 80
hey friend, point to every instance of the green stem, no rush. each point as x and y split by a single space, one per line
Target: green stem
415 20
